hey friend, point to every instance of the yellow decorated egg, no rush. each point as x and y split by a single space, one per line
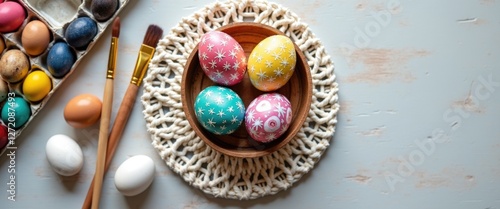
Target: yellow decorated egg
271 63
36 86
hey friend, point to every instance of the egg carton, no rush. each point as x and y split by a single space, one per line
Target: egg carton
57 15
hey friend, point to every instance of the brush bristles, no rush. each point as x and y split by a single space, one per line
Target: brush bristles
153 36
116 27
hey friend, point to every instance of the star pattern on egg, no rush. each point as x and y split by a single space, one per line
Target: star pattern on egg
222 58
271 63
219 110
220 55
268 117
234 76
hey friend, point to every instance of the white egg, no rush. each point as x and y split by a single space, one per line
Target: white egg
64 155
134 175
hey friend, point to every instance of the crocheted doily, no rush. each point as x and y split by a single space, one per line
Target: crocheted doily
197 163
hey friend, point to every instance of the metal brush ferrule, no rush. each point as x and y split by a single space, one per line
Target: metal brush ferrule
113 51
145 54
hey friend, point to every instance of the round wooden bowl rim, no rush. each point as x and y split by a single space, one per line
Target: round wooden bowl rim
249 153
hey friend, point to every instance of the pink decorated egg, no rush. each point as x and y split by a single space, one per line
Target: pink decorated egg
222 58
268 116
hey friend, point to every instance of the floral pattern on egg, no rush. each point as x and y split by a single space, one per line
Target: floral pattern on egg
268 116
222 58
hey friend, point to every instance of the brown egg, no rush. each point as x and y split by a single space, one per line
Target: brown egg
35 38
2 45
14 65
83 110
4 90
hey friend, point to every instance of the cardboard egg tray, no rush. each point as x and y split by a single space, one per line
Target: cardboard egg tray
57 15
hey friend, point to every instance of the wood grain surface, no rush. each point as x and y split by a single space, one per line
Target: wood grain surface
419 89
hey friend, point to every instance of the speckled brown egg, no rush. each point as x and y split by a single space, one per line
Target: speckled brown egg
83 110
4 90
14 66
35 37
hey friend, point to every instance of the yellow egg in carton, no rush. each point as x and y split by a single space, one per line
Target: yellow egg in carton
41 43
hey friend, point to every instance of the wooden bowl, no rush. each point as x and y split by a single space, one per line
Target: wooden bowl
239 144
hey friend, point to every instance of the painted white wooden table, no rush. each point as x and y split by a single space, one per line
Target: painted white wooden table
418 127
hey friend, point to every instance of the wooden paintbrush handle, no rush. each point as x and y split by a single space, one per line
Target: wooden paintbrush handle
103 140
121 120
116 133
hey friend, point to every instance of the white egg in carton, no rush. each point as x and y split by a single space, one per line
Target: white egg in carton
57 15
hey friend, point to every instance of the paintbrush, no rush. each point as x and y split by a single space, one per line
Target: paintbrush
147 50
106 115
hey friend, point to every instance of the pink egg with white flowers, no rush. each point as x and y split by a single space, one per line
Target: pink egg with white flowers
222 58
268 117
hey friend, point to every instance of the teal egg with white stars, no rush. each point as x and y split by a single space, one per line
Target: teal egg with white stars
219 110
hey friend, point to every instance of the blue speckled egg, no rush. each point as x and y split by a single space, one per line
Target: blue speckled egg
219 110
16 111
60 59
80 32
